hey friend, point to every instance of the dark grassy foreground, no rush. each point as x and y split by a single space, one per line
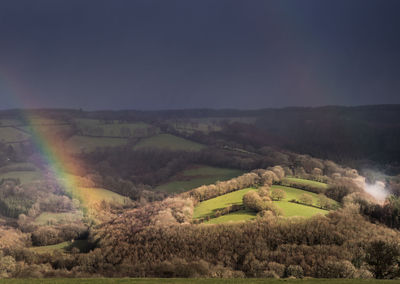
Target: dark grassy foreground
192 281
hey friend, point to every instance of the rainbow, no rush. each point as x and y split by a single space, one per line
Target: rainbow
55 154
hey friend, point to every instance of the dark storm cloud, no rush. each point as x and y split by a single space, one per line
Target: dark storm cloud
184 54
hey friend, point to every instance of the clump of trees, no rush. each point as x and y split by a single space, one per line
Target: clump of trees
256 178
253 201
278 194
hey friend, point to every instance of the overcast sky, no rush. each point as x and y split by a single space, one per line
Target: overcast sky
189 54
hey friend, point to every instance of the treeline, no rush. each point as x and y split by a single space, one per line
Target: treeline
342 244
252 179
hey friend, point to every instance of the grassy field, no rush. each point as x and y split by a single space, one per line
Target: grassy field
289 209
48 249
10 134
77 144
195 177
206 208
312 183
193 281
238 216
82 245
24 176
168 141
46 127
58 218
91 196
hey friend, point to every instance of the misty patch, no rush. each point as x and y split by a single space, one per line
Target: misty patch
377 190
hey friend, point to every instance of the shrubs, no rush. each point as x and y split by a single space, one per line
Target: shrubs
277 268
46 235
253 201
338 269
295 271
278 194
324 202
306 199
383 259
7 265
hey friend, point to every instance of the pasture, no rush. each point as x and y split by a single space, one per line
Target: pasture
208 207
168 142
197 176
50 218
289 209
77 144
10 135
63 247
306 182
194 281
23 176
238 216
90 197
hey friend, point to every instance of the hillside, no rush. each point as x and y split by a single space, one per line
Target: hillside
110 188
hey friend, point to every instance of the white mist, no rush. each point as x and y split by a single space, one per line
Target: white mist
377 190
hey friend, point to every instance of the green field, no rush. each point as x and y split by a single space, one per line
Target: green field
48 249
26 172
300 181
10 134
195 177
192 281
46 128
47 218
238 216
92 196
82 245
168 141
24 176
77 144
289 209
206 208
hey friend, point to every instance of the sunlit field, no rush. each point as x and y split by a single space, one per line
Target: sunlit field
306 182
289 209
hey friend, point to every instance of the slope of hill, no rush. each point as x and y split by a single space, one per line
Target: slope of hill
197 176
209 207
168 142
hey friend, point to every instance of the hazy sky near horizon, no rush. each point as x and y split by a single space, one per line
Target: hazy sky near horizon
167 54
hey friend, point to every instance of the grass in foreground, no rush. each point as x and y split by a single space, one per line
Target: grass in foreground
198 176
191 280
168 141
